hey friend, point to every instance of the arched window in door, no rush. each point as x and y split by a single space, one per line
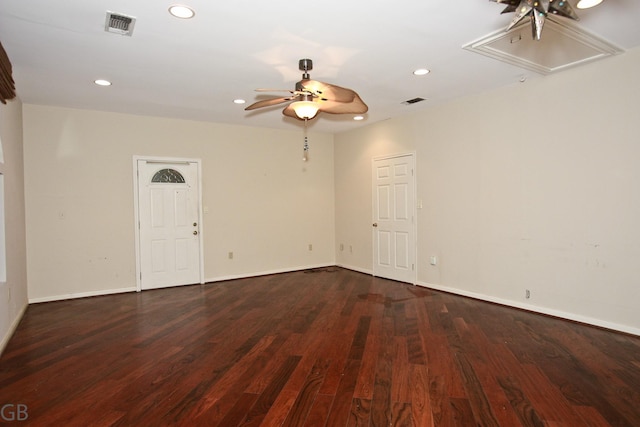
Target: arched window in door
168 175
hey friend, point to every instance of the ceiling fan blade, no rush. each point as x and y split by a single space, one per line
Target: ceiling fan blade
268 102
356 106
328 91
273 90
289 112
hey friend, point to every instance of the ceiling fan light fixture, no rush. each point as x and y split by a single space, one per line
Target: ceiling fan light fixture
586 4
305 109
310 97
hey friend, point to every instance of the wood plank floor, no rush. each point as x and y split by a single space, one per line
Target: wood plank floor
324 348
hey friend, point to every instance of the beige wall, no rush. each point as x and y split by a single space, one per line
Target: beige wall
264 203
13 293
535 186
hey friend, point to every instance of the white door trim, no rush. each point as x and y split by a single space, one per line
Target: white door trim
414 225
136 209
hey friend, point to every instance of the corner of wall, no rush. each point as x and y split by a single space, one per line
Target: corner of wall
13 291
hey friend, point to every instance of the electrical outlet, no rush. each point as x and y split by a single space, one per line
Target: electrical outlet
433 260
310 247
527 293
230 255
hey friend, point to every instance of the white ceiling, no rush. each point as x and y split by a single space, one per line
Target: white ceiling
194 69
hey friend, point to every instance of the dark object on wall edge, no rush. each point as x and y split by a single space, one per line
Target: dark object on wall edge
7 85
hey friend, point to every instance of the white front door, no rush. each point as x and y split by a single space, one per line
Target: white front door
394 240
169 223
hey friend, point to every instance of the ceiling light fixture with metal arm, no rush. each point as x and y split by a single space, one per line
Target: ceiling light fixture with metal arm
537 11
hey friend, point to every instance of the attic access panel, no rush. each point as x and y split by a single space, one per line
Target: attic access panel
563 45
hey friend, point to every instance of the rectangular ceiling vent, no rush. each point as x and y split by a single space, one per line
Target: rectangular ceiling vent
413 101
563 45
119 24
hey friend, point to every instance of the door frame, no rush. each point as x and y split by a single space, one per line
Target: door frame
414 212
136 209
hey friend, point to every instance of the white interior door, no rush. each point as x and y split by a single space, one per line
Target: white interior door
394 240
169 224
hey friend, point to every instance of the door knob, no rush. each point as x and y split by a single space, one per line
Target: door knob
195 232
375 224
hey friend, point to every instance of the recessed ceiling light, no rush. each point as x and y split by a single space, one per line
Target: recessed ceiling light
357 118
181 11
102 82
420 72
239 101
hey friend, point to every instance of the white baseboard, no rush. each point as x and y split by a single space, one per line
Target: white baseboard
266 273
134 289
12 329
516 304
537 309
81 295
358 269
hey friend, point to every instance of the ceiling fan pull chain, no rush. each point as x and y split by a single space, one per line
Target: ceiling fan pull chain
305 147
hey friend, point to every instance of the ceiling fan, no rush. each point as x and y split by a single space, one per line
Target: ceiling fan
311 96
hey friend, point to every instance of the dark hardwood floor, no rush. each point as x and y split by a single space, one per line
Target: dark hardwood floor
325 348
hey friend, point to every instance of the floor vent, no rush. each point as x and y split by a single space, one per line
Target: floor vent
119 24
413 101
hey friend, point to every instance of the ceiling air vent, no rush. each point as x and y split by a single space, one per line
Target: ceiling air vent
119 24
413 101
